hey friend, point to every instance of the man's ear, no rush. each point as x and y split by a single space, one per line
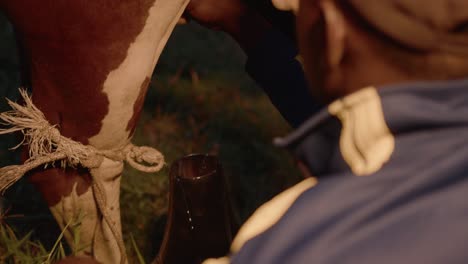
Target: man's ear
335 28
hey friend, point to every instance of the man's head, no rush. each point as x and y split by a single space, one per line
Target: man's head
350 44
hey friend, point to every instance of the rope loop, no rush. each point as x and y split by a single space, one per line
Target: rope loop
46 145
145 159
92 162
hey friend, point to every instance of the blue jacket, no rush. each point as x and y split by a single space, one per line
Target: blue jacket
392 168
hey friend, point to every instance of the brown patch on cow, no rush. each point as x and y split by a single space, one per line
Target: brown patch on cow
138 106
55 183
71 47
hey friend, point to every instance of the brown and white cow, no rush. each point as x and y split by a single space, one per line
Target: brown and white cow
89 65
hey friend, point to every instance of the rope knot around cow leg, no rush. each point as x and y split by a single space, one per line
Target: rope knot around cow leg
55 134
92 161
145 159
47 146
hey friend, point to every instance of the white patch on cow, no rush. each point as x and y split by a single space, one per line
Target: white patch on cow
70 211
123 84
122 88
81 214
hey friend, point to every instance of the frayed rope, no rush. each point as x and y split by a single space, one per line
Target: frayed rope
46 145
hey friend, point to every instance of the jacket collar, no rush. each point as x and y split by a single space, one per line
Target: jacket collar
357 133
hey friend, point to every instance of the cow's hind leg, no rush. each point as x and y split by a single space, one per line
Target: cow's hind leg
90 63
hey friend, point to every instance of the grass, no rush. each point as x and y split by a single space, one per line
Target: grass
19 250
24 250
200 102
